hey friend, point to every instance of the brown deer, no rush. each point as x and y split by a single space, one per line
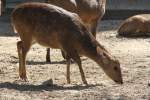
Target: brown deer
54 27
137 25
90 11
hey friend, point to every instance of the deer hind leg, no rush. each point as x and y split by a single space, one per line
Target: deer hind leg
68 71
48 55
68 61
77 59
23 48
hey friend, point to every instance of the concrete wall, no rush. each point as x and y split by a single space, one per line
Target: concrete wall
111 4
115 9
122 9
13 3
128 4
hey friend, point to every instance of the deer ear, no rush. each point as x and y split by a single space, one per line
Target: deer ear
99 51
102 55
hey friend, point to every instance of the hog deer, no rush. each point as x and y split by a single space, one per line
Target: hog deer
90 11
54 27
137 25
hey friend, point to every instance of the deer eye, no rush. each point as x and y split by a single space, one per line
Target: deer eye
115 68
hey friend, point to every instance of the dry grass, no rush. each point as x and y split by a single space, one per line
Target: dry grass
134 55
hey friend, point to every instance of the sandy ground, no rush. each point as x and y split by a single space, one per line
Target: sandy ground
134 56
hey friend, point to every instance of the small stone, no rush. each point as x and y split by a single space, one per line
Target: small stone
48 82
1 72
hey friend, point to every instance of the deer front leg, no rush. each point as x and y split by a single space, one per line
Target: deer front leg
22 69
74 55
78 60
22 51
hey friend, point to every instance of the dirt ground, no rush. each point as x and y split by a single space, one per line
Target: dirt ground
47 81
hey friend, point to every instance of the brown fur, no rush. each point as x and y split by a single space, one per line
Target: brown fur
54 27
138 25
90 11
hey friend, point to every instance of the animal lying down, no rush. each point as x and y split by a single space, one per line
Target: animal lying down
135 26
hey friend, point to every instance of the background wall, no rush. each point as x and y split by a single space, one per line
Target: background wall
122 9
115 9
128 4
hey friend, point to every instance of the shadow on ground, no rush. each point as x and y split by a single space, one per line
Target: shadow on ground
130 36
105 93
51 87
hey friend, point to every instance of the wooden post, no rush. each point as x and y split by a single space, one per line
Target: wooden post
2 6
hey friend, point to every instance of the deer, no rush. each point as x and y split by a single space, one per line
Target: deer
54 27
137 25
90 11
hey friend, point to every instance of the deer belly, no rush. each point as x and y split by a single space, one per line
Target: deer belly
52 43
